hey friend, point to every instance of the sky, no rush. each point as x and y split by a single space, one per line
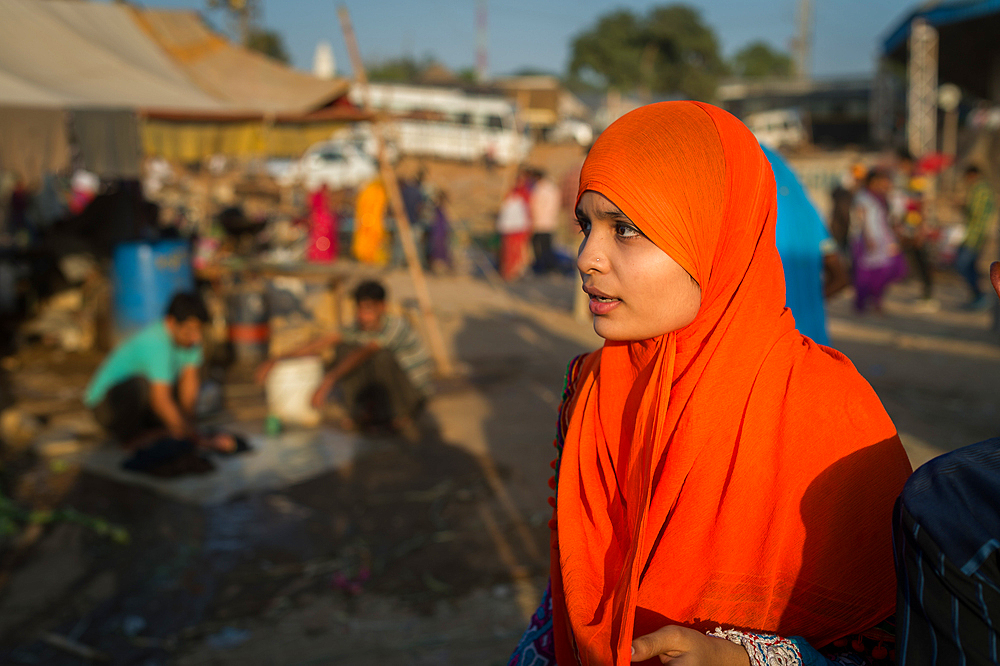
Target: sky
537 33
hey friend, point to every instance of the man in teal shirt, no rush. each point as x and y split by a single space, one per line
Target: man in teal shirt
148 386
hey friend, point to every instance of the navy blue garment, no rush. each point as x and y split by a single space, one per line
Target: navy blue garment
947 547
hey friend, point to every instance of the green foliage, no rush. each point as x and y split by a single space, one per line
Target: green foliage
758 60
13 518
669 50
397 70
268 42
468 75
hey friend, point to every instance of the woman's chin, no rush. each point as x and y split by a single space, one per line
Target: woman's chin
611 330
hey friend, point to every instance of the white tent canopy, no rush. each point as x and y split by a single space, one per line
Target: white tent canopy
83 54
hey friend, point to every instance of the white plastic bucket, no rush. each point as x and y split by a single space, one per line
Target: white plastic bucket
290 387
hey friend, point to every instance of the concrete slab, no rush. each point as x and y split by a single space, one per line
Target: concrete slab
276 461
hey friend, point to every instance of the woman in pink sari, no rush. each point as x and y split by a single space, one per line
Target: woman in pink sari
322 228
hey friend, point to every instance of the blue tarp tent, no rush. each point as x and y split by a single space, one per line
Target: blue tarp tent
799 235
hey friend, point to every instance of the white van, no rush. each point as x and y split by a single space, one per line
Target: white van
447 123
778 129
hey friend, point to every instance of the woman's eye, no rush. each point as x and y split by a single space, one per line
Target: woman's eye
627 231
583 226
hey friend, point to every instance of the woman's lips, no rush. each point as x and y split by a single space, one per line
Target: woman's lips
602 306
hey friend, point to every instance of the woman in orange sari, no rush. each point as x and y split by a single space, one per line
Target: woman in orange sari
369 242
724 486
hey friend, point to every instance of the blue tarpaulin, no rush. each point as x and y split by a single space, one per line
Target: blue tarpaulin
799 235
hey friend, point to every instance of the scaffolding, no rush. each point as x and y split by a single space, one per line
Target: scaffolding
922 94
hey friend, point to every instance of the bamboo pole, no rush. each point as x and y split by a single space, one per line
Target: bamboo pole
434 338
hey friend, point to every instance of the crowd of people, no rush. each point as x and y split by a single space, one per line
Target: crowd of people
530 217
372 240
882 225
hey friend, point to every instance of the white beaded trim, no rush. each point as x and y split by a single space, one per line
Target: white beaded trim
764 649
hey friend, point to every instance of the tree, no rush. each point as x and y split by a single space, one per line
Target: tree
608 54
268 42
395 70
242 16
670 50
758 60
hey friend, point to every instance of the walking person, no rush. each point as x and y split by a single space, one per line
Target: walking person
370 238
546 207
439 235
514 227
980 207
906 205
877 258
323 241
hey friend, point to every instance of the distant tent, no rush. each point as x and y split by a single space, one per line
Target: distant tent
243 79
118 82
87 54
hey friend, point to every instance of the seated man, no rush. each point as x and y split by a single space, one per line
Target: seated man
382 367
947 546
147 388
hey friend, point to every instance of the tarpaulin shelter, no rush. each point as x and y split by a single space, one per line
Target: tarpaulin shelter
240 78
272 109
98 76
73 73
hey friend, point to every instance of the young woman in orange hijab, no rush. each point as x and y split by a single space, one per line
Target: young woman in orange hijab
724 486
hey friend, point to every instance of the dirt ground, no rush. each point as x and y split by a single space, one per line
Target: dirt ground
426 553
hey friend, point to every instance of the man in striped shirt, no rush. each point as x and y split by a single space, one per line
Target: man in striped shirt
947 546
979 208
382 368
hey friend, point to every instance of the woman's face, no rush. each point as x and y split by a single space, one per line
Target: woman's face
636 290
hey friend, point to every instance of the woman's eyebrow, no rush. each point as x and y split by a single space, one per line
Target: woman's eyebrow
613 214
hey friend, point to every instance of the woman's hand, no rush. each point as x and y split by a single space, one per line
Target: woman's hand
681 646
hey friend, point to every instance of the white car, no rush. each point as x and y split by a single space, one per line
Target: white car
778 129
571 129
336 164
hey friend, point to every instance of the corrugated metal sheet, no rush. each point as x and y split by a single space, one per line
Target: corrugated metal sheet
82 54
243 79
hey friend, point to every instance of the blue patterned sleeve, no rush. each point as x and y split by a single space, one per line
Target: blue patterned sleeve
767 649
537 647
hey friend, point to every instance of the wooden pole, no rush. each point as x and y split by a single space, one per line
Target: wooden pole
434 338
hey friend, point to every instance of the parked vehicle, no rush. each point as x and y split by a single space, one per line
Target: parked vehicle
362 137
571 129
778 129
336 164
447 123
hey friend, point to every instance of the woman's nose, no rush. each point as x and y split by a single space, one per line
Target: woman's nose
591 257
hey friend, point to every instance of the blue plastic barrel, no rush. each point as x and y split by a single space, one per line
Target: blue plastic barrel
144 277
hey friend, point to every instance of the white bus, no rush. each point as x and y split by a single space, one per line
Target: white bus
447 123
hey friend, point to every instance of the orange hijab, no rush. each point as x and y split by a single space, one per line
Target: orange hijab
732 472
